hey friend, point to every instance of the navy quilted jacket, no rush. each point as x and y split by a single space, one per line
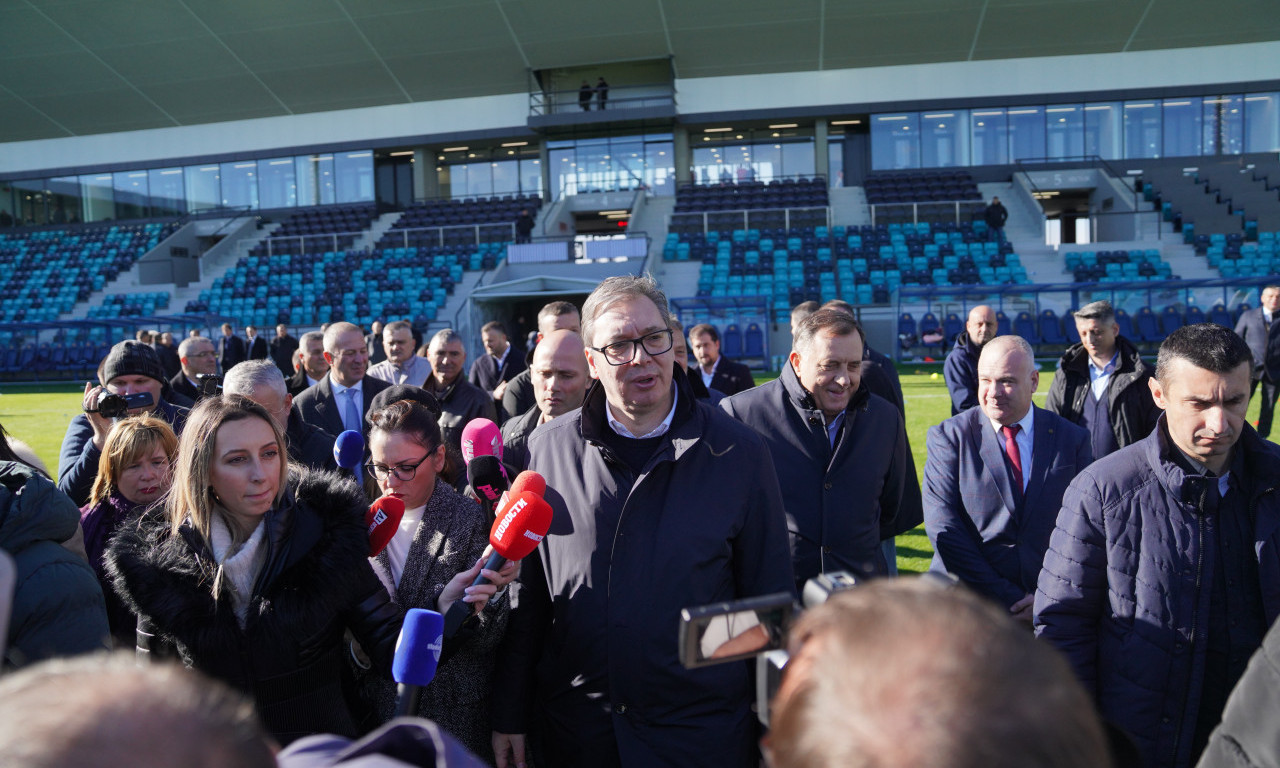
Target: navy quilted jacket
1124 592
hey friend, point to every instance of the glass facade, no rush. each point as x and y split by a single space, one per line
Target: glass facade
493 171
752 155
1186 126
611 164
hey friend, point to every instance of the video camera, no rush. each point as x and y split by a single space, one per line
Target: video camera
113 406
755 626
210 384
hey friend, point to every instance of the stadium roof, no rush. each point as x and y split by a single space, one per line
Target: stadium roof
83 67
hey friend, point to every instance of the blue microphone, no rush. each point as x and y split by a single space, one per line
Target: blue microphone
417 654
348 452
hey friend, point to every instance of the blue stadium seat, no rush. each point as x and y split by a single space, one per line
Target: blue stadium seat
1051 328
1025 326
731 341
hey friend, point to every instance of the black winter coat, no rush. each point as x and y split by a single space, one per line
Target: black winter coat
316 583
960 371
1133 411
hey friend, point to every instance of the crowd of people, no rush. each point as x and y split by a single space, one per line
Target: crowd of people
1112 557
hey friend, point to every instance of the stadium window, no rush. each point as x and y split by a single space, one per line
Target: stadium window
96 197
1026 133
1064 128
239 184
1261 122
167 198
1223 125
277 183
1182 132
8 212
895 141
1102 134
1142 128
835 161
131 195
204 187
989 136
943 140
64 200
353 176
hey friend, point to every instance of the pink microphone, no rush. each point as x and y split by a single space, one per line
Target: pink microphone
481 437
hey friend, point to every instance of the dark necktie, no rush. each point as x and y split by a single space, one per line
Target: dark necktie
1015 457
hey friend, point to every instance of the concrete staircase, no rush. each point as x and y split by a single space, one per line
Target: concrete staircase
849 206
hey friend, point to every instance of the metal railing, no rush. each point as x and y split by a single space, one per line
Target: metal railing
462 234
933 212
763 218
618 98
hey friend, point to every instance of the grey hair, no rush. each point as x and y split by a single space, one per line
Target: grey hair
1102 311
249 376
1003 343
308 337
836 322
184 349
615 289
397 325
445 336
338 329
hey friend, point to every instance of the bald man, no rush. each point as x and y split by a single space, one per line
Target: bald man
560 378
994 480
961 367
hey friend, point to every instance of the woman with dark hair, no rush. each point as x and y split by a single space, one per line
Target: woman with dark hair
134 471
431 561
254 571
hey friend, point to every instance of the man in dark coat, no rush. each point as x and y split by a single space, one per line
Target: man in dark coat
1246 738
1259 329
960 370
717 371
517 397
261 382
560 380
130 368
995 215
499 365
231 348
1101 383
255 344
197 357
660 503
283 348
460 400
524 226
312 367
585 92
1163 572
840 452
374 343
989 505
168 352
341 399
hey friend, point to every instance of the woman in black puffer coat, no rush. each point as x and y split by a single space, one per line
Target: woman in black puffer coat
253 572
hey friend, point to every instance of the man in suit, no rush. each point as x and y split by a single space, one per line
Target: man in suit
717 371
960 369
339 402
231 349
1259 329
374 342
518 396
994 480
283 347
256 345
839 451
500 363
309 363
197 357
168 352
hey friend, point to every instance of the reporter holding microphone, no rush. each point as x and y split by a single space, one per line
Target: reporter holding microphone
431 561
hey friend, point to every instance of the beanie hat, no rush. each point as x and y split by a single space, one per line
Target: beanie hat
131 358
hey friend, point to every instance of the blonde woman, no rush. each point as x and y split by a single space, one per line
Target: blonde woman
135 470
253 572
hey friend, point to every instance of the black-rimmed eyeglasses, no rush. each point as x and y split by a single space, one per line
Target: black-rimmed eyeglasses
623 352
403 472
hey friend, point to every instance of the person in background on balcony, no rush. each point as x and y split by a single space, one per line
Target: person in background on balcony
1101 383
996 215
1259 329
960 370
584 96
602 93
524 226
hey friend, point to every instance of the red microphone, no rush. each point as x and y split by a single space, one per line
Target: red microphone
520 526
382 521
527 480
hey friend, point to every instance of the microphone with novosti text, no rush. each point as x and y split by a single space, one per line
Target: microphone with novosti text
417 656
348 452
520 526
527 480
382 521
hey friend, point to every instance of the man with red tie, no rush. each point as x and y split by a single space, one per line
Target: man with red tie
994 480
